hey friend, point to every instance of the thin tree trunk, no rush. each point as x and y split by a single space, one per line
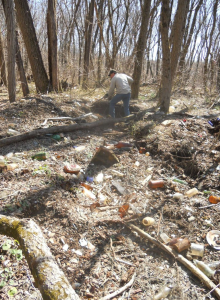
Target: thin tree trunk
88 39
141 45
52 43
10 21
2 62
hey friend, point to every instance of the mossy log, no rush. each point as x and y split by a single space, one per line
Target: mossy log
49 279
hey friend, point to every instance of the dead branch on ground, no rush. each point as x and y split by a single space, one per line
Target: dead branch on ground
49 279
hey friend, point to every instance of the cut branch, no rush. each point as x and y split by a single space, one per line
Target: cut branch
50 280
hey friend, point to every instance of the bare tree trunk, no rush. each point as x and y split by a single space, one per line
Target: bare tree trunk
165 85
218 74
26 25
24 84
10 21
141 45
171 48
2 62
52 43
205 77
88 39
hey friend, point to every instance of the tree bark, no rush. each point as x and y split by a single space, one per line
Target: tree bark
88 40
10 21
141 45
26 25
24 84
2 62
170 48
52 43
50 280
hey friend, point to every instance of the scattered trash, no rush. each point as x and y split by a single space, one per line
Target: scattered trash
13 132
11 167
93 206
167 123
72 168
79 148
78 252
191 193
83 242
118 187
214 199
123 145
179 244
204 268
89 179
99 178
179 181
215 265
88 194
123 210
148 221
178 196
197 249
165 238
65 247
190 219
213 238
40 156
154 184
164 292
105 157
56 137
87 186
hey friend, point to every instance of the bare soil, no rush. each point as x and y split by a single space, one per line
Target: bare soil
86 232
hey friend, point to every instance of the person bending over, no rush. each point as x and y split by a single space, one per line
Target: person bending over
122 84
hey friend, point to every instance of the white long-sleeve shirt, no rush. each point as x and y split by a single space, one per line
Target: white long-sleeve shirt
120 82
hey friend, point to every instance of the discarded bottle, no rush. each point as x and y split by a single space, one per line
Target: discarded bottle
16 159
192 192
180 181
179 244
164 237
122 145
197 249
204 268
154 184
164 292
214 199
13 132
39 156
210 123
56 137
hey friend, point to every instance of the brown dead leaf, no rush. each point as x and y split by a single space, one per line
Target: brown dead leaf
93 206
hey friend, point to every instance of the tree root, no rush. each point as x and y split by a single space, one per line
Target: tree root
49 279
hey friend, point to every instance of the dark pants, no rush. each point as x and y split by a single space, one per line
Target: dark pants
117 98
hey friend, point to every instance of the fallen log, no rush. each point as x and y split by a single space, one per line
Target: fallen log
49 279
58 129
197 272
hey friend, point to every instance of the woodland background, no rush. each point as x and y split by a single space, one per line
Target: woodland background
74 42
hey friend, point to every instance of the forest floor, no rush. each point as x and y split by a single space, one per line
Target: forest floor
86 229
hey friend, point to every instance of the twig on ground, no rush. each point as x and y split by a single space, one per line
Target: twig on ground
209 205
122 289
158 227
112 248
65 118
